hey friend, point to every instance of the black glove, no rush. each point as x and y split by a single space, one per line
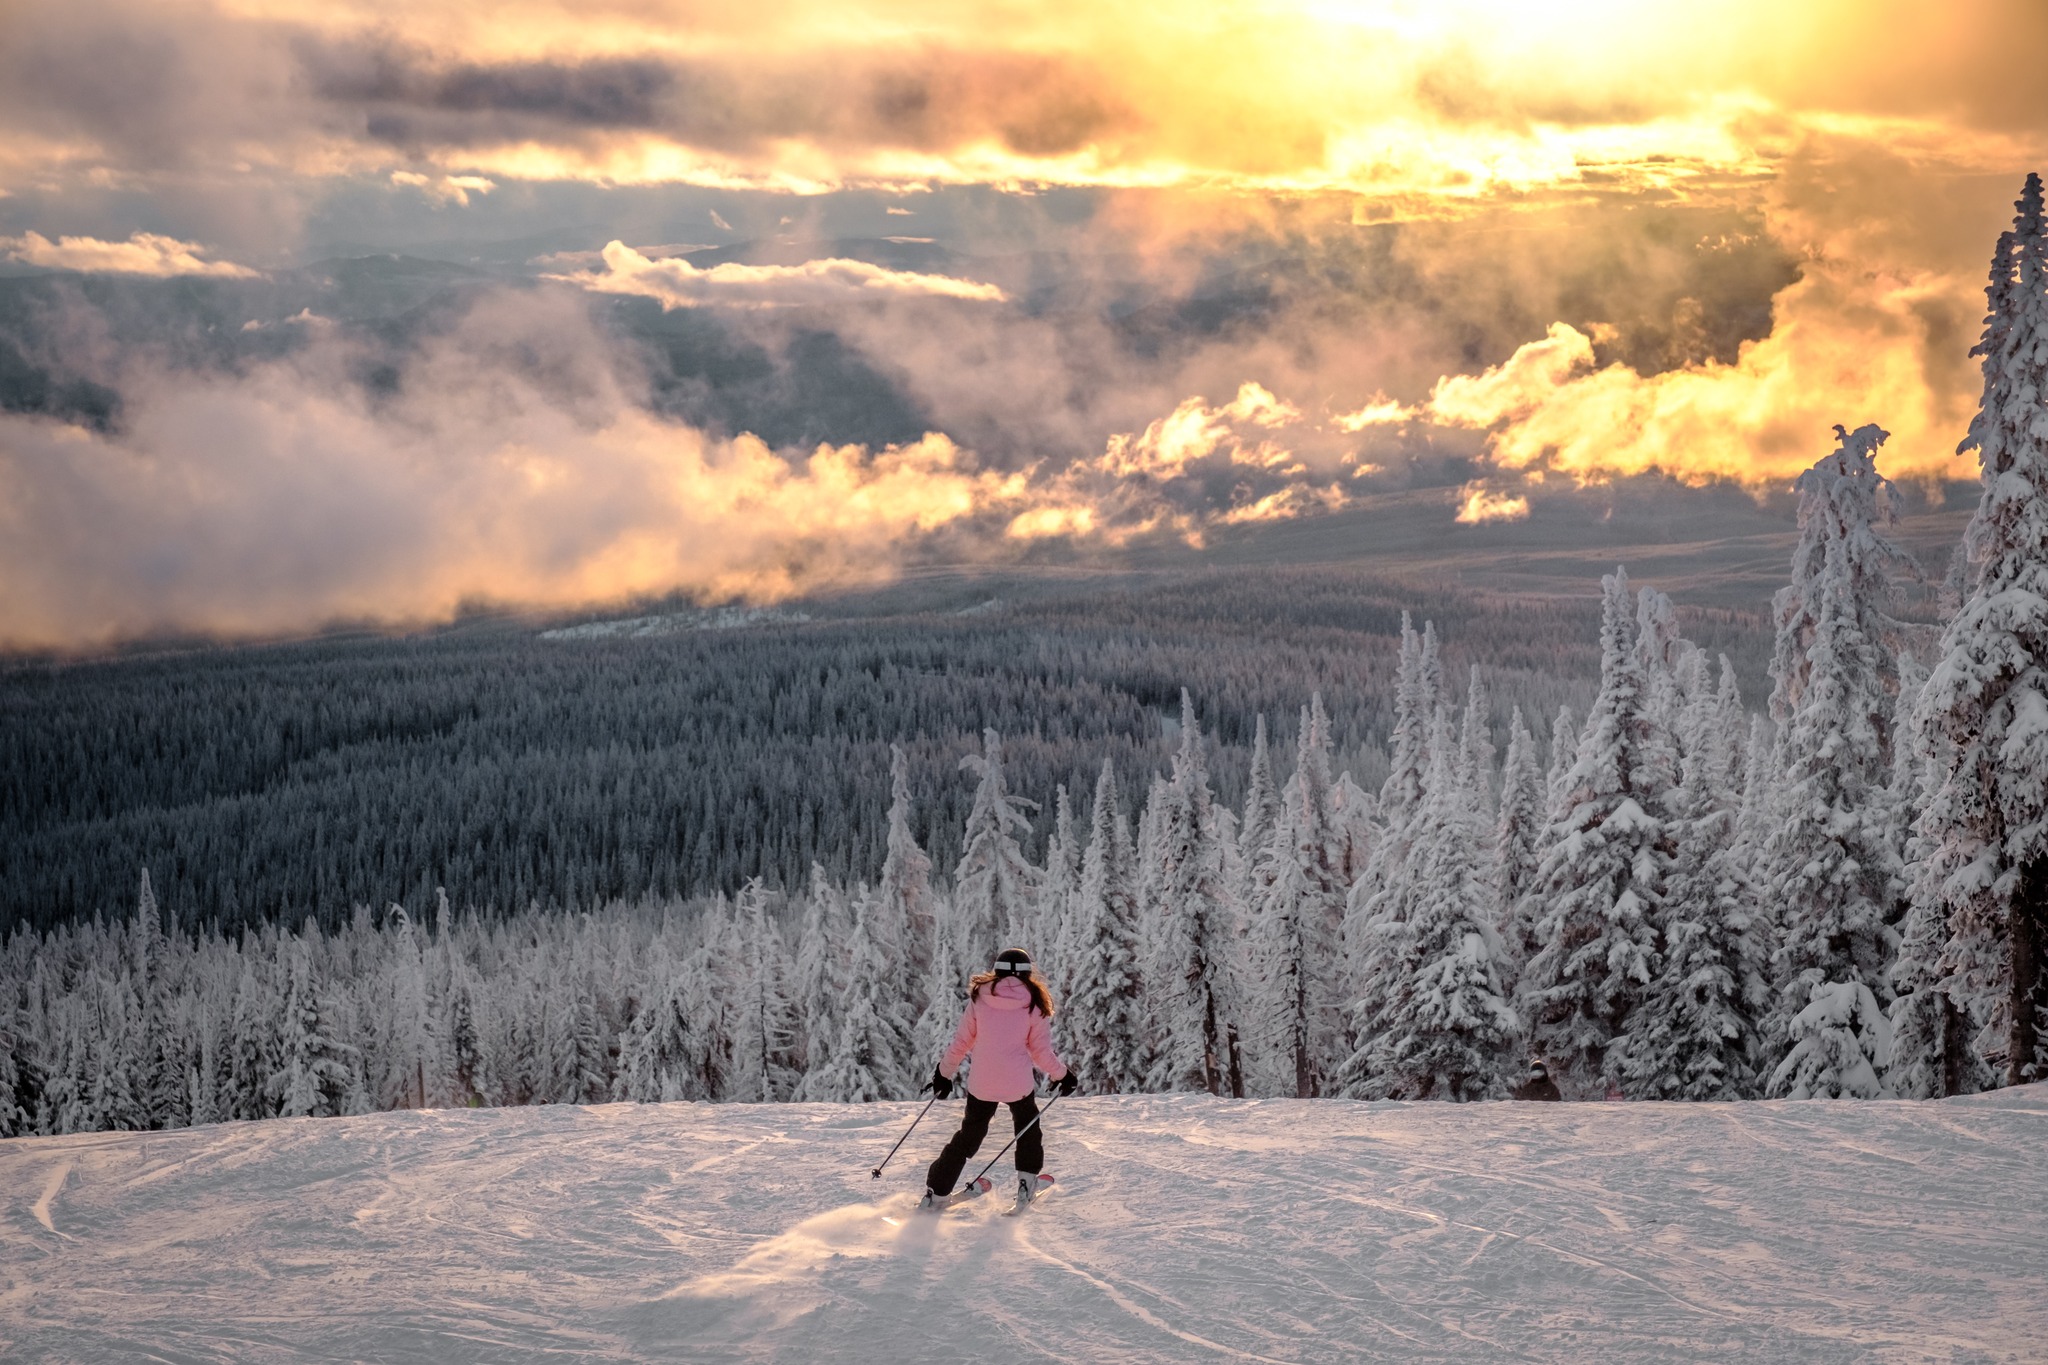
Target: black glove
1067 1084
940 1086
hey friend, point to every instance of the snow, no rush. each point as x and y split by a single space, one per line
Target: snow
1182 1228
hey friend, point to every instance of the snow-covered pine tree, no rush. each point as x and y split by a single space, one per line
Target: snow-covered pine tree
1414 703
1602 872
657 1048
1430 675
818 983
907 913
705 999
1354 828
314 1077
995 888
1379 900
762 1023
251 1044
1062 878
1297 1029
585 1074
1101 1013
1986 824
1261 818
1829 859
67 1100
945 995
1516 834
14 1117
1932 1056
1695 1036
1475 744
466 1074
1443 1027
1564 752
411 1042
1731 747
1840 1046
864 1064
1664 654
1378 939
1187 979
158 1060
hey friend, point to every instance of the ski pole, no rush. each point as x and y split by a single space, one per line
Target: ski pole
876 1174
1014 1136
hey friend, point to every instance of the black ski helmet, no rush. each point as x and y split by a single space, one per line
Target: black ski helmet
1013 962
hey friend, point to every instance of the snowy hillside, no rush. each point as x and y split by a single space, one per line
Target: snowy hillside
1183 1228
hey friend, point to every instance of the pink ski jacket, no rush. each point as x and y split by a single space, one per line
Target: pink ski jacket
1006 1038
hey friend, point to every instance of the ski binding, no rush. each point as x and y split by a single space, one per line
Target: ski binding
1029 1190
937 1203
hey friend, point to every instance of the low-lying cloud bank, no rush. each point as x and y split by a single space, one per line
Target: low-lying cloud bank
516 463
145 253
676 283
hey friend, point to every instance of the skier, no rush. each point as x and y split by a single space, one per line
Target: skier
1539 1086
1006 1029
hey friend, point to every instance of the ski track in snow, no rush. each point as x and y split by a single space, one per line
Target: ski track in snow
1182 1228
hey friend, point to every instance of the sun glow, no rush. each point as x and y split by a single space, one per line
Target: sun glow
1457 100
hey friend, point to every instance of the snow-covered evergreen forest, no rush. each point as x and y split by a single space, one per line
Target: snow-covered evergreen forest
1665 893
512 767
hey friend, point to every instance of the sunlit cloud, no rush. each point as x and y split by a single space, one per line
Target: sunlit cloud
445 189
1194 432
145 253
1478 504
676 283
1379 411
285 496
278 500
1843 351
1533 374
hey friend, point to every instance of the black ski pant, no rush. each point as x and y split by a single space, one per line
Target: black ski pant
974 1127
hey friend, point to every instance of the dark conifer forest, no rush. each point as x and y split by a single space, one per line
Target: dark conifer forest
514 769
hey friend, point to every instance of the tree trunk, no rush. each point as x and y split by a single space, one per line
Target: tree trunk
1236 1066
1212 1074
1304 1072
2029 940
1953 1042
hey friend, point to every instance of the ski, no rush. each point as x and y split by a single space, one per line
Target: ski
1030 1189
973 1189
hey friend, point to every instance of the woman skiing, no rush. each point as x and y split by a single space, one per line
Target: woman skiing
1007 1029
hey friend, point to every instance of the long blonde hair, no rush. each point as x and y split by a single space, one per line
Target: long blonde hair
1041 998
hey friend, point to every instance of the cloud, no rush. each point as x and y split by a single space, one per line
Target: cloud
145 253
1194 432
512 460
1534 373
1195 469
1459 102
1844 350
675 283
276 500
1379 411
446 189
1478 504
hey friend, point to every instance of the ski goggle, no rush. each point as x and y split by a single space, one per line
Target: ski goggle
1012 969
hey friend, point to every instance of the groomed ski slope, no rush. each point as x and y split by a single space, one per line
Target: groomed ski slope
1183 1228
